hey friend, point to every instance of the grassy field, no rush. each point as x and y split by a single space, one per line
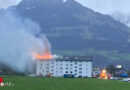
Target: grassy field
30 83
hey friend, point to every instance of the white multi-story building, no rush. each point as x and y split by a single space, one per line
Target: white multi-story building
76 65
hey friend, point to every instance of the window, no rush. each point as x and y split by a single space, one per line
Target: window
80 61
66 68
66 64
60 71
42 70
61 68
75 66
71 72
80 64
66 72
75 70
41 64
80 72
47 67
80 68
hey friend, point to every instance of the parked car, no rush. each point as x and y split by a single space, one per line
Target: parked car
126 80
68 76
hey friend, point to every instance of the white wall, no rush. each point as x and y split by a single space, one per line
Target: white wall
59 68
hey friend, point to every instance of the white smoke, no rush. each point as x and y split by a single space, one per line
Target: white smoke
18 40
119 7
122 17
7 3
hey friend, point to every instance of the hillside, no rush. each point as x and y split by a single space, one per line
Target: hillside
74 29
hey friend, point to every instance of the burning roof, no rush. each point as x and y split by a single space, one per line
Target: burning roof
46 54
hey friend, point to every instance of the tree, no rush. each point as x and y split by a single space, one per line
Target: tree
111 69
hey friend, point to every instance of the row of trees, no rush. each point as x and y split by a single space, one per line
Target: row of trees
111 69
5 70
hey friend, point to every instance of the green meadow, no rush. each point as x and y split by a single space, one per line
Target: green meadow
41 83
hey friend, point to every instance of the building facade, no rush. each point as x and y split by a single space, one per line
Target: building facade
77 66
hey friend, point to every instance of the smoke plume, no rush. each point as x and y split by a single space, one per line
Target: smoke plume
19 38
122 17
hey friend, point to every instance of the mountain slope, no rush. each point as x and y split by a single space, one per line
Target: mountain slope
72 27
123 18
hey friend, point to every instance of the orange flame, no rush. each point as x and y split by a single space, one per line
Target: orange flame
46 55
103 74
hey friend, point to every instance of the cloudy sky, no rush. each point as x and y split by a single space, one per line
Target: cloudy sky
103 6
107 6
